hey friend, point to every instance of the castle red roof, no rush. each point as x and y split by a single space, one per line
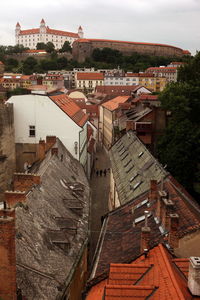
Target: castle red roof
49 31
128 42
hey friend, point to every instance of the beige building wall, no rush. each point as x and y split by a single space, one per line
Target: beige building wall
113 201
107 128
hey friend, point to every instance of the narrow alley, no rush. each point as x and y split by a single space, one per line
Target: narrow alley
100 193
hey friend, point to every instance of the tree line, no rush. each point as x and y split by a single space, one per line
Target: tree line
179 147
105 58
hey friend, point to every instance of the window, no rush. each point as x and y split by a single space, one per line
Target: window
31 131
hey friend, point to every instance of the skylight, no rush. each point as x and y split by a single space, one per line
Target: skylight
133 177
140 154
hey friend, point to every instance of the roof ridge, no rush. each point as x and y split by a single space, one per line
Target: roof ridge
170 272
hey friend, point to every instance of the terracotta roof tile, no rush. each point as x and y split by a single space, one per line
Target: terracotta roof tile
49 31
118 90
90 76
126 274
124 292
70 108
114 103
159 278
134 43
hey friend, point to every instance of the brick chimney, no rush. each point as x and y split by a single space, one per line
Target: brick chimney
130 125
14 197
153 194
194 276
159 207
167 209
50 141
145 235
54 151
24 181
7 257
41 150
173 230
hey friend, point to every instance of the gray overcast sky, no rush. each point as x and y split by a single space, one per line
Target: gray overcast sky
174 22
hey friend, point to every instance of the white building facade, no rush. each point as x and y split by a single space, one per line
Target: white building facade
38 116
121 80
44 34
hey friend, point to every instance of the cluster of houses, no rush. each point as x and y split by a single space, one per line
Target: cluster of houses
88 80
148 246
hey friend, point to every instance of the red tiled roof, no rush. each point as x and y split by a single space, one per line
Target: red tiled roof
162 69
34 51
118 90
126 274
147 97
124 292
61 32
49 31
158 275
30 31
186 52
90 76
70 108
114 103
128 42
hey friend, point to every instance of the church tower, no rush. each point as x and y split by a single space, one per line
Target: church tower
80 32
17 32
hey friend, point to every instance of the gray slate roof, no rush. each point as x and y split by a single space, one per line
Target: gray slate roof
52 227
132 166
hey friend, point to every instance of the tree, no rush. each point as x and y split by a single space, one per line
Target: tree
179 147
66 47
11 64
29 65
62 62
41 46
50 47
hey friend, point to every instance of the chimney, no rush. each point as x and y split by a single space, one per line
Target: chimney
145 235
7 257
194 276
54 151
130 125
50 141
153 194
41 150
14 197
24 181
173 230
159 206
167 209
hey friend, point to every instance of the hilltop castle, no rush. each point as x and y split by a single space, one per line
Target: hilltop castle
30 37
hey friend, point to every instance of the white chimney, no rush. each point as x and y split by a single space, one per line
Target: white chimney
194 276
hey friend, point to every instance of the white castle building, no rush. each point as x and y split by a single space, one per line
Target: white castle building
44 34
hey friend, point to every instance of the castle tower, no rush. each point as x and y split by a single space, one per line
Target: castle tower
80 32
42 27
17 32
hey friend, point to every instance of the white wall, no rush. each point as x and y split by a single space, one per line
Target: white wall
47 118
112 80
